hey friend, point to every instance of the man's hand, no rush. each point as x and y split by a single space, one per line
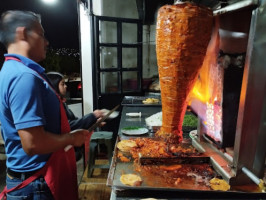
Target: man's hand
79 136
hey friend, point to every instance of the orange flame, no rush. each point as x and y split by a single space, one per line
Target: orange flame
206 96
202 89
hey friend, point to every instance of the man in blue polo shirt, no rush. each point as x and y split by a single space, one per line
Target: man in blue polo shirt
29 109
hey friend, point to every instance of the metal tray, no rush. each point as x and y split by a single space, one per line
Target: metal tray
137 100
118 168
121 191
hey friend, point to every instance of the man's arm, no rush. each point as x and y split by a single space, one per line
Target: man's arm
36 140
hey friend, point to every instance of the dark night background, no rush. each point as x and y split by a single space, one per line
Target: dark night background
60 23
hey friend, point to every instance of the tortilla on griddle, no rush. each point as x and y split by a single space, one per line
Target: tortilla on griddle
126 145
131 179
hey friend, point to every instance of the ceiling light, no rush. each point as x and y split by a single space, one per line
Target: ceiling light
49 1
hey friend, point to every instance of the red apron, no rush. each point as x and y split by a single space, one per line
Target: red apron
60 172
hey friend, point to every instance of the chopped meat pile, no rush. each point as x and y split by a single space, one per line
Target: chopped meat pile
150 147
180 176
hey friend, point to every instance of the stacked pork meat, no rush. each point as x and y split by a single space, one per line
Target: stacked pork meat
182 35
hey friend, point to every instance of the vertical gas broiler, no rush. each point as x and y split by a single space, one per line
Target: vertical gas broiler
230 94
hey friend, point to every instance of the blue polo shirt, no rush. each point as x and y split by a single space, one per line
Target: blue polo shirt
26 101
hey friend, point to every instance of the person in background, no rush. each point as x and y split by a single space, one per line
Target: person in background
58 82
38 142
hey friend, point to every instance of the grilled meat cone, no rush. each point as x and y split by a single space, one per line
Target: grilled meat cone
183 32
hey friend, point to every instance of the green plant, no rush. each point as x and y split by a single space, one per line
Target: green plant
190 120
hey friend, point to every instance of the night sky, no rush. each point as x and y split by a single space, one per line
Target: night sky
59 21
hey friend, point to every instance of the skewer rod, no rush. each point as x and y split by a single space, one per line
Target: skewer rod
252 176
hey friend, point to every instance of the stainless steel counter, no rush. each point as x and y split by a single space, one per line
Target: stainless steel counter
120 191
126 121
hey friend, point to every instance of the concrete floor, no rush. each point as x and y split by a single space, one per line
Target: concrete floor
94 187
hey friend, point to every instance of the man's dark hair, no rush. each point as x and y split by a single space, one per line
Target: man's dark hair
12 19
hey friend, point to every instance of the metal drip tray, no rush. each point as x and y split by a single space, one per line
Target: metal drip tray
175 173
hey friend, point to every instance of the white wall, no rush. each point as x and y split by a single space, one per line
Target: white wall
120 8
76 108
85 46
86 50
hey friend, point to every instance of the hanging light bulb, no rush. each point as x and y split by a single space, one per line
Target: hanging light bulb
49 1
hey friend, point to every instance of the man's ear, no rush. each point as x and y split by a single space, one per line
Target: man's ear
21 33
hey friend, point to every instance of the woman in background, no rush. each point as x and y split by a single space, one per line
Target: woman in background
58 83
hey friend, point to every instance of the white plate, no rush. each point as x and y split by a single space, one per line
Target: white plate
112 116
139 131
